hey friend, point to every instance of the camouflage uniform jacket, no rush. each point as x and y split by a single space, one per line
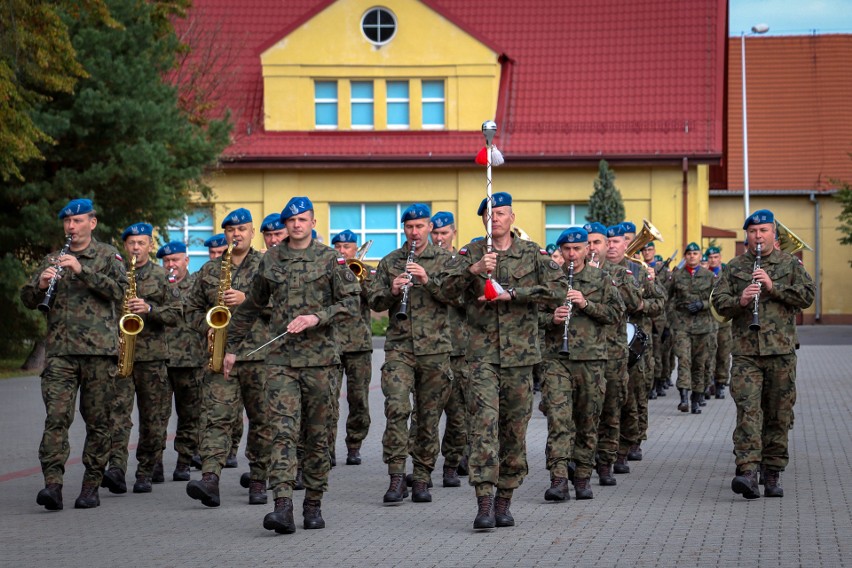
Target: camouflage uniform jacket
204 295
684 288
356 334
653 294
590 327
186 345
83 319
716 280
631 296
152 286
792 291
506 333
309 281
424 332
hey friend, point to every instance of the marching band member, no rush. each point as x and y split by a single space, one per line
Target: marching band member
721 367
273 230
216 245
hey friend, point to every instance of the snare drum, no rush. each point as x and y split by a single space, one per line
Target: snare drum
636 342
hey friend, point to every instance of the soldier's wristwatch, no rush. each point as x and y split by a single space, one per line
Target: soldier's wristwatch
512 294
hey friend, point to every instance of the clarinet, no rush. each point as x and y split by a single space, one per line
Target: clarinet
564 352
44 306
755 323
402 314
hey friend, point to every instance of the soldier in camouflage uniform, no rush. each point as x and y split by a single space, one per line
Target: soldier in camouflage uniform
417 353
615 370
574 384
311 291
224 396
721 367
273 230
148 382
82 343
692 326
186 359
356 356
763 376
659 323
504 346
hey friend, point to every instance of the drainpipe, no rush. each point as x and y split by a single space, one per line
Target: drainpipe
817 271
684 233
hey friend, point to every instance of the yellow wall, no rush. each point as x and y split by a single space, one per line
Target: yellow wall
331 46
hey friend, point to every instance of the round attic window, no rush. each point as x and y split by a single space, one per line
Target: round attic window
378 25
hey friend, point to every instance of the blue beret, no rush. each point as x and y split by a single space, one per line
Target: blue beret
136 230
76 207
271 222
550 248
295 206
173 247
216 241
759 218
629 227
443 219
713 250
615 231
595 228
692 247
415 211
573 235
474 239
346 236
237 217
499 199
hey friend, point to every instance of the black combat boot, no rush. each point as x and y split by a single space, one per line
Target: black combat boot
143 484
605 476
702 400
661 388
300 483
88 498
196 462
114 481
409 480
245 480
181 472
420 492
206 490
502 515
720 390
582 489
281 519
353 456
652 393
485 515
231 461
558 490
463 466
684 400
745 484
634 454
572 467
772 483
397 490
451 477
158 475
697 398
312 514
51 497
257 492
621 464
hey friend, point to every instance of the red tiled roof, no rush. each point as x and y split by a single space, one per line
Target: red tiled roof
582 80
799 116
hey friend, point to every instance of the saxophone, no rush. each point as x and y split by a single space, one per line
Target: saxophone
129 326
219 316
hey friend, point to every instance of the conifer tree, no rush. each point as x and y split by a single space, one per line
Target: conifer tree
605 205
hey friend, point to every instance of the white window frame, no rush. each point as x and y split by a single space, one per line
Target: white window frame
406 100
353 101
442 100
319 100
185 228
362 231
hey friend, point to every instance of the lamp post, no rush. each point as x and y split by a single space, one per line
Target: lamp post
758 29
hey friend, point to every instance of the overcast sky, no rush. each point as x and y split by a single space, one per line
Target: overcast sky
791 17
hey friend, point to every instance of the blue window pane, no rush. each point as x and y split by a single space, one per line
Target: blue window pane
199 217
580 212
382 245
433 113
558 215
197 261
362 114
325 90
397 89
552 235
362 90
326 114
433 89
382 216
346 216
398 114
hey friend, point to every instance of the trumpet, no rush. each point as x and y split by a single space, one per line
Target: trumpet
402 314
648 233
564 351
356 265
44 306
755 323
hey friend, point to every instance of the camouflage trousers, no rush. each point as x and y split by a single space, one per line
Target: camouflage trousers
186 385
630 432
149 383
764 389
300 401
609 425
358 367
236 427
722 364
62 378
454 444
430 378
643 386
659 349
500 407
223 401
573 393
692 351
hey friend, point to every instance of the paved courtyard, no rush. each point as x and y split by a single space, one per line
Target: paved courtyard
674 509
